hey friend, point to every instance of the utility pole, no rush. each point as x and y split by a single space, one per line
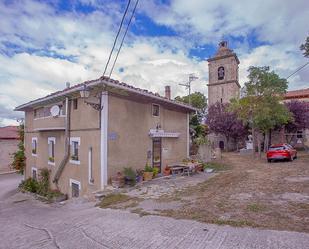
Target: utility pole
192 77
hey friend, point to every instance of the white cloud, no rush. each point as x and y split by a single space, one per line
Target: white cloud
83 42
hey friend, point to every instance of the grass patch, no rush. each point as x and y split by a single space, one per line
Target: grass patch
141 212
256 207
113 199
234 223
216 166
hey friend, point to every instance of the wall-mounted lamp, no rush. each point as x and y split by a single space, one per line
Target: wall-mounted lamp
84 92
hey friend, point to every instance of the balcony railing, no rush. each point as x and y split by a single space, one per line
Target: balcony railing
49 123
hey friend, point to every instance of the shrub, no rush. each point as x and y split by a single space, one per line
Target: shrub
130 175
155 171
29 185
19 158
44 187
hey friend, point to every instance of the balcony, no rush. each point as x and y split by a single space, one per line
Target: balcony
49 123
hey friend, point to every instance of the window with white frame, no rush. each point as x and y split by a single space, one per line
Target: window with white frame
155 110
75 144
34 173
75 188
34 146
51 150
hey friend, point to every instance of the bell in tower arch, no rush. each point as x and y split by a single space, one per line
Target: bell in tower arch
220 73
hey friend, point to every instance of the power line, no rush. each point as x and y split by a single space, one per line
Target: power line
123 17
123 39
300 68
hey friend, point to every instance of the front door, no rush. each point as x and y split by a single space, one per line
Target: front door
156 153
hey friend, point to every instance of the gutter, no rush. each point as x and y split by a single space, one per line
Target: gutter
111 83
67 142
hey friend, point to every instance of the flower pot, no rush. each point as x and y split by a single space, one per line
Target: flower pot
148 176
166 172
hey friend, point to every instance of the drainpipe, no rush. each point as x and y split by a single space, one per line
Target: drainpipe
66 143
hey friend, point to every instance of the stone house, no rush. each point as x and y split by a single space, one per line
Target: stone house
9 140
87 133
301 138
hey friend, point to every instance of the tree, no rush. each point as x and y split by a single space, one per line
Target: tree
19 158
261 107
198 130
221 120
198 100
300 113
305 47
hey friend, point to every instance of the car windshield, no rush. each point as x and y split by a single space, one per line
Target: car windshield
276 148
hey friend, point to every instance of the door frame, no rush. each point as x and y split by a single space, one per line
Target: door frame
156 139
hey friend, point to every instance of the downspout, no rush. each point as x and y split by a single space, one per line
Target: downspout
66 143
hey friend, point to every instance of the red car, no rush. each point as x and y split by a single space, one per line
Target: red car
281 151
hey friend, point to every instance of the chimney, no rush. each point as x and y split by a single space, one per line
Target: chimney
67 84
168 92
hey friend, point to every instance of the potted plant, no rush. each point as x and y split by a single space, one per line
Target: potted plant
155 171
129 176
167 171
139 175
118 180
51 159
148 173
74 158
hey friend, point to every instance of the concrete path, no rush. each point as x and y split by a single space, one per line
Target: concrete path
27 223
9 184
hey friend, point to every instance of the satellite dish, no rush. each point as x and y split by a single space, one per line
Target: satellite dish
54 110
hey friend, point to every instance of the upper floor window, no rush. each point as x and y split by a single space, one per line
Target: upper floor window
75 144
51 150
221 73
34 146
155 110
75 104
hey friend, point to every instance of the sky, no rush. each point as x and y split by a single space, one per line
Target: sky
44 44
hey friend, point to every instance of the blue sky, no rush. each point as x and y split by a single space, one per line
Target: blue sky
44 44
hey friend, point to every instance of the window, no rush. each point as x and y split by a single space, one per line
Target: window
75 104
155 110
299 134
34 173
34 146
75 187
75 144
220 73
51 150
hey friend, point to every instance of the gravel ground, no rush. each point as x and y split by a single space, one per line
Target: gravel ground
28 223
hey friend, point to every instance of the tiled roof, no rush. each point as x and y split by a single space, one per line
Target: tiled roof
9 132
112 82
295 94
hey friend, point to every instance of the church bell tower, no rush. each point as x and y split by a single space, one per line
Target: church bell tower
223 75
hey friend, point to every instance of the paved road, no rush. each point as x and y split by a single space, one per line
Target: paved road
9 184
27 223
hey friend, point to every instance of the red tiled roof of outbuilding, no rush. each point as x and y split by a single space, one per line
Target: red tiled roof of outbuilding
297 94
9 132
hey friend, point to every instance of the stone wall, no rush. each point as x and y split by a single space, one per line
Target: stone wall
7 148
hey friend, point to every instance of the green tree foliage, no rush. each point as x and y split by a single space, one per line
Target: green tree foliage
198 130
198 100
261 107
19 158
305 47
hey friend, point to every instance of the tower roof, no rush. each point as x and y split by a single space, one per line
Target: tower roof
223 52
